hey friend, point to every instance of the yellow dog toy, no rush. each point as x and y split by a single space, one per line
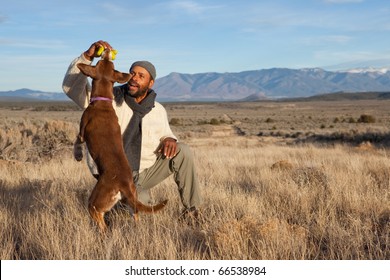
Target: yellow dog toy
112 52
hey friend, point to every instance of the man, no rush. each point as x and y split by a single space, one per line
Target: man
151 148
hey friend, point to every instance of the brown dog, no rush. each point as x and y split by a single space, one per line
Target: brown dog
99 128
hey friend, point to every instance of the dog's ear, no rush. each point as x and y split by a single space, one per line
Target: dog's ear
121 77
87 70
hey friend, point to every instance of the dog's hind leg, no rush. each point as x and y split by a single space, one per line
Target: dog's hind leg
103 197
97 205
98 217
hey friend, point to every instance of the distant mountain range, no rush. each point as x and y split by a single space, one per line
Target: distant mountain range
270 83
253 85
26 94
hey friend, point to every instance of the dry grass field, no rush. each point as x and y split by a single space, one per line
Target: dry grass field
281 180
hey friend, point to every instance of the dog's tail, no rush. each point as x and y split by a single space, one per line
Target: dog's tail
139 206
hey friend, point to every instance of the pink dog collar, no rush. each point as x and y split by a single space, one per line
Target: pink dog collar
99 98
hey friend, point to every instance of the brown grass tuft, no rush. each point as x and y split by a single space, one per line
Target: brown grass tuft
282 165
309 176
252 238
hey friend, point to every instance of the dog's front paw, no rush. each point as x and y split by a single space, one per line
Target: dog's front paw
78 152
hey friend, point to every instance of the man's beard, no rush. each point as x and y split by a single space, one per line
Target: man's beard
140 92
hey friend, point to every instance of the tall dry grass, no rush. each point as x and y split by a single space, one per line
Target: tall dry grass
261 201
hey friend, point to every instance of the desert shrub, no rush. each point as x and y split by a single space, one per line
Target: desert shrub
202 122
366 119
278 133
214 121
53 137
32 142
175 121
296 134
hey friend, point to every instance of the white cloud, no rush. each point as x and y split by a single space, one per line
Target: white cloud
333 39
32 44
339 56
340 39
191 7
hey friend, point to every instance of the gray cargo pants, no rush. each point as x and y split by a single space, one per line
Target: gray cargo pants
184 174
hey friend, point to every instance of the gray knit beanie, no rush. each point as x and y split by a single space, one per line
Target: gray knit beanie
147 65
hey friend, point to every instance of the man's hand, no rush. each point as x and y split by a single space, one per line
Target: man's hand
92 51
168 147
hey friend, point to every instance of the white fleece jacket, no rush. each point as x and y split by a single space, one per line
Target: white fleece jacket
155 125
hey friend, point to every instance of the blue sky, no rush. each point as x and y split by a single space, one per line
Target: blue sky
38 39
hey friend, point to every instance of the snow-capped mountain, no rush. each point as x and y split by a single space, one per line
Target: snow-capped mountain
382 70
